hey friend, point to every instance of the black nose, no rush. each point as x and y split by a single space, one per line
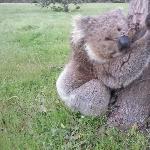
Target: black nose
123 42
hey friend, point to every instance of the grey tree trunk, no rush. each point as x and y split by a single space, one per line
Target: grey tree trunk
133 102
138 10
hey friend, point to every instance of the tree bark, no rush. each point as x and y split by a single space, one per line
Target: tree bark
138 10
133 102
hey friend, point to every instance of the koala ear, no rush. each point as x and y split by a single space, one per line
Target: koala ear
118 11
79 28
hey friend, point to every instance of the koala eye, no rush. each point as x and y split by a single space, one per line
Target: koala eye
108 39
119 29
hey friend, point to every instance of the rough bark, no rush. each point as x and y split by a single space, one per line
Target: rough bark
133 102
138 10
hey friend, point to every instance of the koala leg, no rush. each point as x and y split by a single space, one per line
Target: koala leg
90 97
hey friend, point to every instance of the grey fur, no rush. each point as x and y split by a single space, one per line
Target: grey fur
133 104
85 84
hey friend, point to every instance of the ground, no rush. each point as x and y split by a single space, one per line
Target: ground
34 46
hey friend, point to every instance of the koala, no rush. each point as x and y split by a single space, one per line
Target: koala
102 59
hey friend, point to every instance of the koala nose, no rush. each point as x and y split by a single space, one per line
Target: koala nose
123 42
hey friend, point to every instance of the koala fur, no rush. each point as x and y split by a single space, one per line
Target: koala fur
97 66
132 105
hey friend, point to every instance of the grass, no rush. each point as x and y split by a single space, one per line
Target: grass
34 45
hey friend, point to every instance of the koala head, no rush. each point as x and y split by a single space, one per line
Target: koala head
104 35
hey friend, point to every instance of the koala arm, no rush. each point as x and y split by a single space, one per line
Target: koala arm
138 60
123 70
127 68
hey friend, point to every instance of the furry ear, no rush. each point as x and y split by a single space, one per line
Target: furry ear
117 12
79 28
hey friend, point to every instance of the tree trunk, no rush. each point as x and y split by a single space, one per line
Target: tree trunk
138 10
133 102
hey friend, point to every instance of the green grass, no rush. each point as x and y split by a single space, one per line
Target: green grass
34 45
